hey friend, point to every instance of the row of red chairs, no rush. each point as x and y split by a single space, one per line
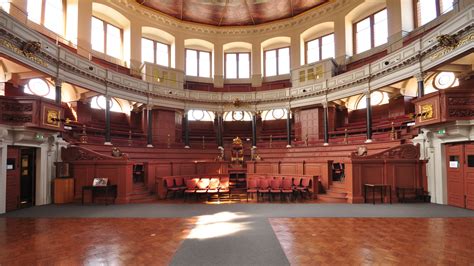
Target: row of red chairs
288 187
207 186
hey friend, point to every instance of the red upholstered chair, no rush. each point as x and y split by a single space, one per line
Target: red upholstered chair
213 187
304 188
179 182
224 186
171 187
296 182
286 187
252 187
191 186
275 187
203 185
263 187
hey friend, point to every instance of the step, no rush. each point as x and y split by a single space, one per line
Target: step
335 194
328 199
337 184
338 189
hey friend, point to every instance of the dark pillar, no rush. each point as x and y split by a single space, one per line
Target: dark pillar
326 125
254 130
220 128
369 118
107 121
149 136
186 130
58 84
288 129
421 85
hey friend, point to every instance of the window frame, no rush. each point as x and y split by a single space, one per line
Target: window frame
372 38
198 62
277 60
417 18
105 23
155 49
43 15
320 50
237 67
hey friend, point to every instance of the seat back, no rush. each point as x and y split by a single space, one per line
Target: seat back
297 181
214 183
203 183
305 182
276 183
252 183
224 182
191 183
178 181
169 182
286 184
263 184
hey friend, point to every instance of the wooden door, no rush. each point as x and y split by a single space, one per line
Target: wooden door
455 174
13 179
469 175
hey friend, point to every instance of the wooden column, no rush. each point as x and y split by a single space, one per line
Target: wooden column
57 86
254 130
421 85
186 130
326 124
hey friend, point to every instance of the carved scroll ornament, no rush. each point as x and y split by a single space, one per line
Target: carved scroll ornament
404 151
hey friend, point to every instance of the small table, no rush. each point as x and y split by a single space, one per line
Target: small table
383 191
109 191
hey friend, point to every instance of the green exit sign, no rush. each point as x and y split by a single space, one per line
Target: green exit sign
442 131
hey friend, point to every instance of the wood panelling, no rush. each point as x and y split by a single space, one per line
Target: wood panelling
13 180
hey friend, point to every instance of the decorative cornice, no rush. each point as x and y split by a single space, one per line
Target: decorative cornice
310 15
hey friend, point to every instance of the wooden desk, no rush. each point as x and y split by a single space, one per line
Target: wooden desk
63 190
383 191
110 191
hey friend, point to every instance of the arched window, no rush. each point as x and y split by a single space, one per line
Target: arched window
99 102
376 98
40 87
441 81
274 114
320 48
106 38
427 10
237 116
155 52
371 31
200 115
49 13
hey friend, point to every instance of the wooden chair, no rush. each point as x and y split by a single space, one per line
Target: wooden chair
263 188
213 188
275 188
191 186
252 188
224 186
287 189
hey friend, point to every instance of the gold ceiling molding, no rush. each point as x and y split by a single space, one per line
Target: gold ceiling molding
310 15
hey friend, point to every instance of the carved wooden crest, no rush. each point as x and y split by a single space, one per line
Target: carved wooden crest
404 151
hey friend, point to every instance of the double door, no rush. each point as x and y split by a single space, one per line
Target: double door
460 174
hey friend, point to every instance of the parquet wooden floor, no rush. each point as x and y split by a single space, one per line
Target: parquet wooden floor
91 241
386 241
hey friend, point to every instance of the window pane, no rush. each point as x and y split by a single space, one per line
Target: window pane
380 28
231 66
204 64
114 41
283 61
244 66
363 36
34 10
312 54
426 11
270 63
446 6
191 62
147 51
54 16
162 56
327 49
97 35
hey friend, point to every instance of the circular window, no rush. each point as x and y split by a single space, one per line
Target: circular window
38 87
238 115
444 80
278 113
376 98
101 102
198 115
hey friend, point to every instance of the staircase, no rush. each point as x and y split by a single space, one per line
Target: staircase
335 194
140 194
